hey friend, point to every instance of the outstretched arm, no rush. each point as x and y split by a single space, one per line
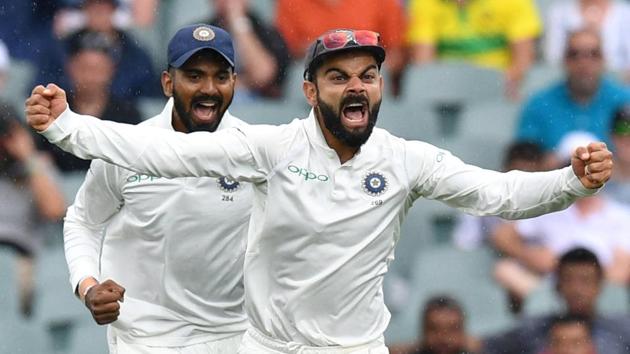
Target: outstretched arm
143 149
513 195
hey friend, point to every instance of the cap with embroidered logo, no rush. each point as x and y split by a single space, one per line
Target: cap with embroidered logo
191 39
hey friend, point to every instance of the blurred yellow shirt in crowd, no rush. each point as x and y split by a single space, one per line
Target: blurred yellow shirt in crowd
480 30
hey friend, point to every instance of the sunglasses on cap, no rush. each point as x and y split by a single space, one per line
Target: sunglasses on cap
340 38
344 38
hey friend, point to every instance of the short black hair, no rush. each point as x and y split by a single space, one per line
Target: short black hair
568 319
441 302
580 255
89 40
523 150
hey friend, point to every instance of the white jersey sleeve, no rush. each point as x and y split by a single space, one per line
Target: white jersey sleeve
437 174
156 151
98 199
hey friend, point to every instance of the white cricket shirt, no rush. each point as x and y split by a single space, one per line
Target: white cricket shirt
176 245
322 234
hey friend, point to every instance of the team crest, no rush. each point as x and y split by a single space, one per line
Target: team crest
203 34
374 183
227 184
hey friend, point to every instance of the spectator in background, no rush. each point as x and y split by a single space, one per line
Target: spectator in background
497 34
29 195
134 75
263 57
473 231
443 330
618 187
585 100
610 18
301 21
128 14
532 246
570 335
90 67
579 282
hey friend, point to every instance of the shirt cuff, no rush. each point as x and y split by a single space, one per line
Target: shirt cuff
61 127
576 186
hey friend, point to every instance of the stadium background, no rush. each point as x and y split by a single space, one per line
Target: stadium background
455 106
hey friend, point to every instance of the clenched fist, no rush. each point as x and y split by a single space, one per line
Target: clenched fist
102 301
592 164
44 106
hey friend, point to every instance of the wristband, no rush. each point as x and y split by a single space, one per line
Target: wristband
84 294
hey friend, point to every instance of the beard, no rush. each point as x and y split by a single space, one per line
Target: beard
186 116
332 120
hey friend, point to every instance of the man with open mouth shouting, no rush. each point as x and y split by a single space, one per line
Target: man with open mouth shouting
330 193
173 249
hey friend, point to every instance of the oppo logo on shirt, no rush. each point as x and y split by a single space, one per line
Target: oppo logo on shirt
308 175
141 178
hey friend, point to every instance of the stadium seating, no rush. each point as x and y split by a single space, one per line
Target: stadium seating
269 112
88 338
451 81
18 336
465 275
538 77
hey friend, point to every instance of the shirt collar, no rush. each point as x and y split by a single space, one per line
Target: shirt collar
314 131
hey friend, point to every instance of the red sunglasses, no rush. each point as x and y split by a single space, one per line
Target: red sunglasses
339 39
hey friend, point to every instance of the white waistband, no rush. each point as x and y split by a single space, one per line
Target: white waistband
114 333
276 346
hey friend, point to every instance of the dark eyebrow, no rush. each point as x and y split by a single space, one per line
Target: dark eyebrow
192 71
370 67
337 70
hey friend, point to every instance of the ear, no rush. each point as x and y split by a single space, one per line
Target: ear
310 92
167 83
382 81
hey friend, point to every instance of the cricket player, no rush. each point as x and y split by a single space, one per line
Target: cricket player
172 249
330 193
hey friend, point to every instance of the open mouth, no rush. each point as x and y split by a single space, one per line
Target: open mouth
355 114
206 111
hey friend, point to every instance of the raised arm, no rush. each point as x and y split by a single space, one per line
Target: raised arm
511 195
149 150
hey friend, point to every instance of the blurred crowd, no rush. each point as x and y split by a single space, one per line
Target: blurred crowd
90 48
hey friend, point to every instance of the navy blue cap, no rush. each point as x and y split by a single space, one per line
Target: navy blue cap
191 39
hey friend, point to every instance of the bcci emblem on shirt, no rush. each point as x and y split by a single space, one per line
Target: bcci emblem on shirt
374 183
227 184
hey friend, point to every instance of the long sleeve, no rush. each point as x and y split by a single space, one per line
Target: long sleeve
513 195
156 151
98 199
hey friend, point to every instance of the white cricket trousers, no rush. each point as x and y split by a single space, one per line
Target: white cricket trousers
255 342
228 345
